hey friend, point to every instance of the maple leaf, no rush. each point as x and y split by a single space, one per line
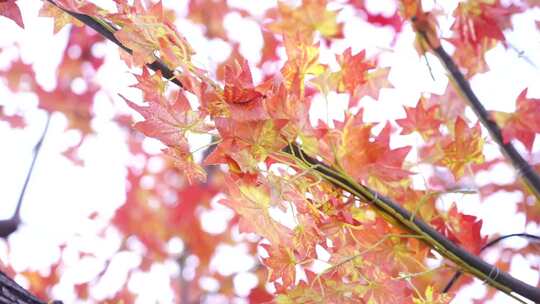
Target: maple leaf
247 143
73 66
152 85
386 290
462 148
364 157
303 58
169 120
183 159
259 295
450 104
430 298
471 57
309 17
282 264
523 124
306 237
252 203
145 31
60 17
480 20
410 8
39 283
375 81
285 106
269 50
477 28
463 229
353 71
77 107
137 207
421 119
20 75
395 21
245 101
83 7
210 13
14 121
10 9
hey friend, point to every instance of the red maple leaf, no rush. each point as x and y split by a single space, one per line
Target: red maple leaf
463 229
10 9
353 71
477 20
524 123
245 101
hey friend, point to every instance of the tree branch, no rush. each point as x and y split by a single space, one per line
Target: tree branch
470 263
98 26
458 274
530 177
13 293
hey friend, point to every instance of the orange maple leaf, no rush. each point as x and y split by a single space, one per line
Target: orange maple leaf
282 264
371 158
353 71
145 31
421 119
183 160
309 17
252 204
60 17
456 151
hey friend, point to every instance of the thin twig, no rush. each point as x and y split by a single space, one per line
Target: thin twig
37 149
8 226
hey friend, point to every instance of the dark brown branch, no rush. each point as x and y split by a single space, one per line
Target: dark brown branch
531 178
390 207
489 271
458 274
157 65
13 293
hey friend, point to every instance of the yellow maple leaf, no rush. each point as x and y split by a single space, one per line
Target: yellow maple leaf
60 17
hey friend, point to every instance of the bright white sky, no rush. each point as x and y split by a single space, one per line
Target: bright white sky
61 196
